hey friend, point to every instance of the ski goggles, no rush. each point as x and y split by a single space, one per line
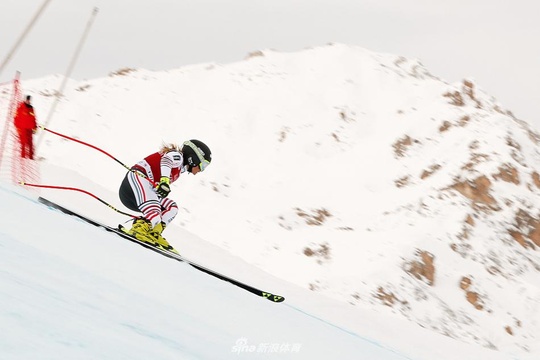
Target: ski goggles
203 163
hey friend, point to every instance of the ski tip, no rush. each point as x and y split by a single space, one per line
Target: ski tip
272 297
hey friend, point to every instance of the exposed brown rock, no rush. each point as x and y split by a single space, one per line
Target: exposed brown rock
322 253
520 238
475 300
283 134
509 330
464 120
493 270
474 145
534 234
526 227
465 283
468 89
512 143
445 126
400 146
516 153
83 88
455 97
478 191
472 296
432 169
122 72
534 136
536 179
387 298
404 181
464 235
498 109
317 218
423 268
508 173
475 159
467 227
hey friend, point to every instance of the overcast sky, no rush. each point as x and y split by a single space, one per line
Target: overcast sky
495 42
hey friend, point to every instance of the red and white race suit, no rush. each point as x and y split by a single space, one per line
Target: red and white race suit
137 191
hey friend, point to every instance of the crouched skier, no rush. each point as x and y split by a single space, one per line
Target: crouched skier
138 192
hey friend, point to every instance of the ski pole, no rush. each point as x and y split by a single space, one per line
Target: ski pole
98 149
84 143
79 190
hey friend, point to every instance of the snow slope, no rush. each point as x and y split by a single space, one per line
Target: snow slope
357 175
71 290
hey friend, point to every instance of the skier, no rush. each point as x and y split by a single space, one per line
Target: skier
25 122
141 191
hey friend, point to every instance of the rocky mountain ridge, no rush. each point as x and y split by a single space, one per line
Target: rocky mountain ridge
356 174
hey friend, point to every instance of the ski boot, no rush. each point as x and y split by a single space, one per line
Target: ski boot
141 230
160 240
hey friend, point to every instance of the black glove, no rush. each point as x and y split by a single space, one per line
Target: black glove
163 189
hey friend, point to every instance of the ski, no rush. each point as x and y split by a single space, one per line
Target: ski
264 294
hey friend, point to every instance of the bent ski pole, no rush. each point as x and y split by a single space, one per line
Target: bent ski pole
98 149
79 190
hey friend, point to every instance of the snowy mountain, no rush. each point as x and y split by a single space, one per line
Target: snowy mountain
357 175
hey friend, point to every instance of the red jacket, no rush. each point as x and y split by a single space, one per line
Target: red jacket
157 165
25 118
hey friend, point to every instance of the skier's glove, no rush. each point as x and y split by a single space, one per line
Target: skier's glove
163 189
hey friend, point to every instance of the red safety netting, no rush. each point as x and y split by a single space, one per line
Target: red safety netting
13 167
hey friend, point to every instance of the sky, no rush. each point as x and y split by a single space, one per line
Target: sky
494 42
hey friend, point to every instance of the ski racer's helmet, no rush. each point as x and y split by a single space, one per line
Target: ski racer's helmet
196 153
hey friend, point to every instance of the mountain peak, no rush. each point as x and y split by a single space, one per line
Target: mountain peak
356 174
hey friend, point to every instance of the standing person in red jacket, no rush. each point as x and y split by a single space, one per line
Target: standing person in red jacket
25 122
146 186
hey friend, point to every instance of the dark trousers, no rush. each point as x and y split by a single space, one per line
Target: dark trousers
127 196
